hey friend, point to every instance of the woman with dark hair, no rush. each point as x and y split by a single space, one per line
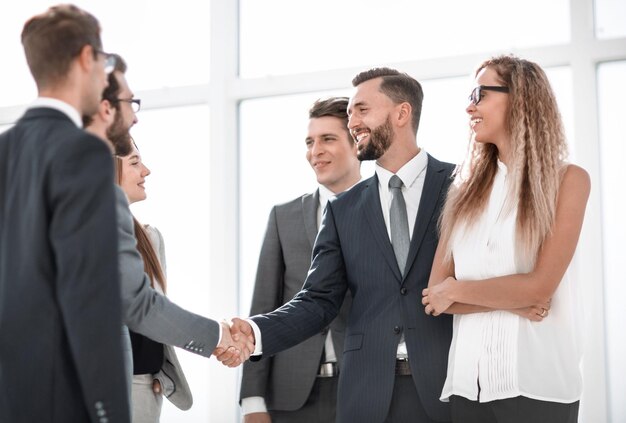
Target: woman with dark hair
156 370
509 230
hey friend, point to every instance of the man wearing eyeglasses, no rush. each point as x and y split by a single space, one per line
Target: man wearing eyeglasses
60 350
145 311
118 110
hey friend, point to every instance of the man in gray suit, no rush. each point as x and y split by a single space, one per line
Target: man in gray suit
300 385
378 241
143 309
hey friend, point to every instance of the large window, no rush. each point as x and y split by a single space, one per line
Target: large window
610 16
178 204
611 93
281 37
147 34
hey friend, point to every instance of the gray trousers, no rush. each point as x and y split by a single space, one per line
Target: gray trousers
146 405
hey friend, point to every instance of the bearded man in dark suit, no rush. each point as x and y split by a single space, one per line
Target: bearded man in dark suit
377 241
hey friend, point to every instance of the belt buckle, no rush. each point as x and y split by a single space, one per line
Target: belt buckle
328 370
402 366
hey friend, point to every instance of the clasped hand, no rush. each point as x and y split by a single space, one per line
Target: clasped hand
434 298
237 343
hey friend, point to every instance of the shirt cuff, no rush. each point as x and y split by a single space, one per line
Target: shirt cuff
219 339
258 343
253 405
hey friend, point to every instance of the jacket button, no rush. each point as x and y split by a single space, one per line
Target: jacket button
396 329
403 291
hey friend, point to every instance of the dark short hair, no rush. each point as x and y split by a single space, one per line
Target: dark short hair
334 107
54 38
399 87
112 91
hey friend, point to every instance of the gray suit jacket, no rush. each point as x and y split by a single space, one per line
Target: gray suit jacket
286 380
149 313
353 252
173 381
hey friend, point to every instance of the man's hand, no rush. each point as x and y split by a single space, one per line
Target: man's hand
257 418
242 330
228 351
236 345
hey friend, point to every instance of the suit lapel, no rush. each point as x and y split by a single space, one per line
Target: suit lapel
433 182
310 203
374 214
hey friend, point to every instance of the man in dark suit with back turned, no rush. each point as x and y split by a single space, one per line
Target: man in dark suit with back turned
378 241
60 316
300 384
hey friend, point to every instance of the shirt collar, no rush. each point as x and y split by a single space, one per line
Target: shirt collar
63 107
325 194
407 173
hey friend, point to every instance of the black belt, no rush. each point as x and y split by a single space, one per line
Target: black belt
402 367
328 370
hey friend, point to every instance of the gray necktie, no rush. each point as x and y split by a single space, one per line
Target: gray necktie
399 223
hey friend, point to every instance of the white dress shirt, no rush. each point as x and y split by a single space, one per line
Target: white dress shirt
412 174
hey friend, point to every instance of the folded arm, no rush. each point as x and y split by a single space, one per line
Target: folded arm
518 291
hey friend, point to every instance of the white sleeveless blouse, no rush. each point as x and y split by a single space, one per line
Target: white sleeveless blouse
498 354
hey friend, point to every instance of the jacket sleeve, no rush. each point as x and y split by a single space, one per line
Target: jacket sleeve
147 312
319 301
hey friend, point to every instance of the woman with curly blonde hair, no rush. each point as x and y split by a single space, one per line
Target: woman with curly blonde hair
509 230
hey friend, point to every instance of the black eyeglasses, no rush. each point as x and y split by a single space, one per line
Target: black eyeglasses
135 103
477 94
109 61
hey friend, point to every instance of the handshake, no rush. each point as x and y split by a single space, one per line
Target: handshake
237 343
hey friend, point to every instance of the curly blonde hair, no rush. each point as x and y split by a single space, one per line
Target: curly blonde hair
538 152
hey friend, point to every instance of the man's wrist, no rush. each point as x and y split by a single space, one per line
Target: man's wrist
258 343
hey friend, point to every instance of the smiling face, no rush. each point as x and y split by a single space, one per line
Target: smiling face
134 174
369 120
331 153
488 118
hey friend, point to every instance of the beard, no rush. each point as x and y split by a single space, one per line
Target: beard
119 136
379 142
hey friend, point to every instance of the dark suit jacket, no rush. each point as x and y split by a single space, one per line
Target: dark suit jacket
353 251
60 314
286 380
